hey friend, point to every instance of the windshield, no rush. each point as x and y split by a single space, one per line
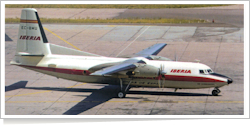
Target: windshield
209 71
206 71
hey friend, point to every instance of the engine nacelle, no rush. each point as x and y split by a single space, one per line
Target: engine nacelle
144 70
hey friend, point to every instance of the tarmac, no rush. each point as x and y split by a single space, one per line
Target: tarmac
31 93
222 48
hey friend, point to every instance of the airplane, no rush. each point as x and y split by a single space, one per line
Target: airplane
142 69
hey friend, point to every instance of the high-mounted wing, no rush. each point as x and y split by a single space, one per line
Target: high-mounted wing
131 63
126 65
152 50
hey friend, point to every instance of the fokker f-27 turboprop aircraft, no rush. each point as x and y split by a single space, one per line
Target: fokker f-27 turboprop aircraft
143 69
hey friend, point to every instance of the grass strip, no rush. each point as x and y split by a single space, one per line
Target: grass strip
127 20
117 6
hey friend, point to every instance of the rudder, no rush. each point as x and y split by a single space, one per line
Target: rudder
31 36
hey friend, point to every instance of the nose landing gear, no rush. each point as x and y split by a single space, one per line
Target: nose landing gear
215 92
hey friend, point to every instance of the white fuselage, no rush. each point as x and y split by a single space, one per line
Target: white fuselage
184 75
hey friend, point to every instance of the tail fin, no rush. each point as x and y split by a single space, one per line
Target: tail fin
31 37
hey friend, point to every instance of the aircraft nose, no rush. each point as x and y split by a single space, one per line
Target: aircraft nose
229 81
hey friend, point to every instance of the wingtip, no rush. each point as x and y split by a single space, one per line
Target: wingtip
164 44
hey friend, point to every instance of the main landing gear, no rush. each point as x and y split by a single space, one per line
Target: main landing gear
123 91
215 92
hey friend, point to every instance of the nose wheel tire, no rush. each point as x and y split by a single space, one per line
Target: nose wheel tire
121 94
215 92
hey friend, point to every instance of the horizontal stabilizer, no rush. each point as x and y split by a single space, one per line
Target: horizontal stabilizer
14 63
28 54
60 50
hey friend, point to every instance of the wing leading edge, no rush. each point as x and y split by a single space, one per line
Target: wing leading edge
126 65
113 69
152 50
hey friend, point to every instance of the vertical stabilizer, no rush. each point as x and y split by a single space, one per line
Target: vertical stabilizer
31 37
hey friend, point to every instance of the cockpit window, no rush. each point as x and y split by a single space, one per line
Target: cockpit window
205 71
209 71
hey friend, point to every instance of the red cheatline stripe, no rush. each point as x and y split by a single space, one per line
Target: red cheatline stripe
167 77
184 78
28 21
60 70
190 78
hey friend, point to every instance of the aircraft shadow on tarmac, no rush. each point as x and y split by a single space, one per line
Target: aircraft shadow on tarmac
7 38
18 85
97 96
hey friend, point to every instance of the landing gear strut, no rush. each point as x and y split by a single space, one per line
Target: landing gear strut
215 92
123 92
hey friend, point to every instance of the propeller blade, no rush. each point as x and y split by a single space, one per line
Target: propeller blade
159 82
176 57
160 78
163 81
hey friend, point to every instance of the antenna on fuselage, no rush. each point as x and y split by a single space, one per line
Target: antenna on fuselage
196 60
175 55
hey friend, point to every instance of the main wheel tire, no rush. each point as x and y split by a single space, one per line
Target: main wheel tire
215 92
121 94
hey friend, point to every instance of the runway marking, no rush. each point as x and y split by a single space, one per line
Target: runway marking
76 85
43 91
111 25
29 93
132 42
228 102
61 38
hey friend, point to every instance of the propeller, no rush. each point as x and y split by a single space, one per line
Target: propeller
175 56
161 77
